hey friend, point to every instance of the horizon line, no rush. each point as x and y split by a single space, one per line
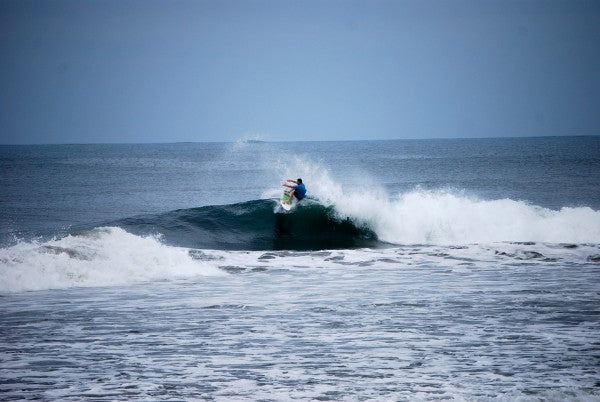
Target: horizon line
241 140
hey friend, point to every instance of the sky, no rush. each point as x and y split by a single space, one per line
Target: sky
108 71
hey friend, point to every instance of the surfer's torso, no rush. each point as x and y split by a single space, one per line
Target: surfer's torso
299 191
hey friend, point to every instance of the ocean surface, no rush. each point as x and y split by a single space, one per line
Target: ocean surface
463 269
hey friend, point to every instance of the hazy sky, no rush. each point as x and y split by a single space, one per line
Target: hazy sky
166 71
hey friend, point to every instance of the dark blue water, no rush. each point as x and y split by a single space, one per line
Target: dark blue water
415 270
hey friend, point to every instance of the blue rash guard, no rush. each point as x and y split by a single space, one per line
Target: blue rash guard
299 191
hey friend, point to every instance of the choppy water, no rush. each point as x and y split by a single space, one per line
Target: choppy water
416 271
401 323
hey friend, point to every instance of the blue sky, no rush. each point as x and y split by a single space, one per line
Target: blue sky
167 71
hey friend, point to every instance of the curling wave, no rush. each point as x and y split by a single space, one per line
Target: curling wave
365 219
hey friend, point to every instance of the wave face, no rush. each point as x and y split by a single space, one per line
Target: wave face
255 225
368 219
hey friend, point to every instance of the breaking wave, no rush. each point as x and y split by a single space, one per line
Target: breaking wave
104 256
168 245
444 217
369 219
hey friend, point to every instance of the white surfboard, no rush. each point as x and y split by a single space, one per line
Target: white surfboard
285 201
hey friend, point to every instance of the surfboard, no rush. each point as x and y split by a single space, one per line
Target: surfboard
285 201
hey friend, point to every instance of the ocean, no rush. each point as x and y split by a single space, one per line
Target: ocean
442 269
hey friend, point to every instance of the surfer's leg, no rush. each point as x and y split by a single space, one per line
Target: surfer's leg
291 196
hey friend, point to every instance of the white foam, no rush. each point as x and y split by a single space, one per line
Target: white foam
100 257
444 216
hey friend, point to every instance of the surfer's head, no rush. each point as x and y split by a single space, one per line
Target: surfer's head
299 181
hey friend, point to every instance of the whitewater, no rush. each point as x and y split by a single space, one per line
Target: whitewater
415 270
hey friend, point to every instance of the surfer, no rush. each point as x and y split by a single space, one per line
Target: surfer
298 191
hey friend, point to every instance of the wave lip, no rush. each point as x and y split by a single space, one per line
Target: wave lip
100 257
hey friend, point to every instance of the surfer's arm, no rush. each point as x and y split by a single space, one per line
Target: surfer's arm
287 185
